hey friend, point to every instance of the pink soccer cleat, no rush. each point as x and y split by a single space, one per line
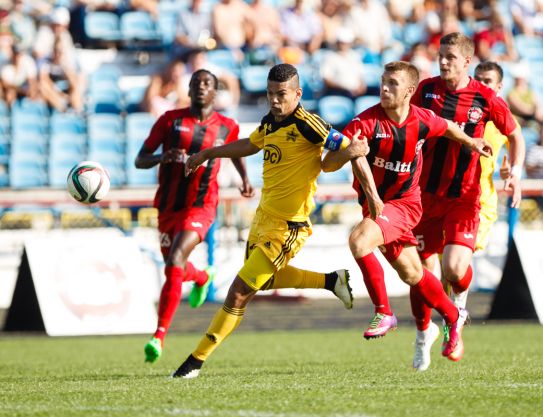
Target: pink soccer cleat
380 325
453 346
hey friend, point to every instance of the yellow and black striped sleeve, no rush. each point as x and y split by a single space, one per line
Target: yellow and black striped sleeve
319 132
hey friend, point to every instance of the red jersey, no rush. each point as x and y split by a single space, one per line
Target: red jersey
450 169
395 149
180 129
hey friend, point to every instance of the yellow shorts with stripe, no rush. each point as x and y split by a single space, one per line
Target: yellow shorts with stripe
278 240
486 219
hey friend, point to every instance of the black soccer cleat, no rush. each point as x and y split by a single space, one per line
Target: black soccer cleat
189 369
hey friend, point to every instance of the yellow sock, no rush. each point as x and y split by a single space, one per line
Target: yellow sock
226 320
291 277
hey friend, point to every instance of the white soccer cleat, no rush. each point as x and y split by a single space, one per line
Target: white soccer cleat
342 289
423 346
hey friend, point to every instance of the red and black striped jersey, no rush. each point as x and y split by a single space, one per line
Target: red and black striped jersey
450 169
395 154
180 129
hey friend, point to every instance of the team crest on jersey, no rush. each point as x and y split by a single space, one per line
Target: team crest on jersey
292 135
475 114
419 145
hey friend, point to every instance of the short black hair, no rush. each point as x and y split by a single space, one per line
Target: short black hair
490 66
283 72
195 74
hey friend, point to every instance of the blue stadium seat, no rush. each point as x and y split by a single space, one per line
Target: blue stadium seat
224 58
4 153
138 126
30 145
254 78
336 110
59 167
5 125
102 26
529 47
4 109
106 73
372 75
167 24
24 124
413 33
364 102
138 26
114 143
27 171
28 107
531 136
113 162
67 123
108 125
133 98
68 144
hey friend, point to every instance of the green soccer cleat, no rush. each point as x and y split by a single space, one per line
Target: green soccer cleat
153 350
198 294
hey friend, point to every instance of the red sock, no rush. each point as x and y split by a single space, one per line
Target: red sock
170 296
421 312
463 284
431 291
374 278
193 274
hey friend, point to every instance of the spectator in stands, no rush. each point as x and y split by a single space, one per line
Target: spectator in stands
56 28
370 22
166 91
60 84
474 10
449 24
22 25
522 100
230 22
487 39
19 77
342 70
193 29
149 6
403 11
331 21
228 93
527 16
264 31
301 31
419 56
534 161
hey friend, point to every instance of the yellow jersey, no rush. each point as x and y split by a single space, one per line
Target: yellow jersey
292 162
489 196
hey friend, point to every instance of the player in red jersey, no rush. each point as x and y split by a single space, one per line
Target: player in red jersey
186 204
450 178
387 183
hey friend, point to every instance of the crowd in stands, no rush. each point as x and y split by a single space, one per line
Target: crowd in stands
339 47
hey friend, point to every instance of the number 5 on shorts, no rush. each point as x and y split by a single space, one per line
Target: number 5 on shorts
420 240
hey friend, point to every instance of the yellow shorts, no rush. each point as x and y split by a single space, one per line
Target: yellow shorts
278 240
485 224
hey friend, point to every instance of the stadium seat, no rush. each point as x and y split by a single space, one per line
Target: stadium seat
372 75
336 110
138 26
4 153
26 172
167 25
27 107
29 145
106 73
254 167
99 125
364 102
138 126
254 78
71 143
529 47
4 109
133 98
140 177
531 136
102 26
224 58
67 123
413 33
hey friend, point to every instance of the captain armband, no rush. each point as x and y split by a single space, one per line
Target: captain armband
336 140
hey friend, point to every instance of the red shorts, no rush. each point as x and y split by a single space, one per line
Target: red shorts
172 223
446 221
397 221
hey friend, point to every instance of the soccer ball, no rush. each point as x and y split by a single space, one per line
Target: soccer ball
88 182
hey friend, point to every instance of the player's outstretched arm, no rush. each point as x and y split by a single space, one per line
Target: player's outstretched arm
362 171
246 188
517 152
236 149
334 160
146 160
479 145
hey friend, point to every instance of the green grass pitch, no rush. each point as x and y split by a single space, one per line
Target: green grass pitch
276 374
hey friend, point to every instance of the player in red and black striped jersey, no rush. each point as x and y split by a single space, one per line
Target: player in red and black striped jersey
387 183
450 179
186 204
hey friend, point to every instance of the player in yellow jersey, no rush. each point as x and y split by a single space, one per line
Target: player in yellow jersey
491 74
292 141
